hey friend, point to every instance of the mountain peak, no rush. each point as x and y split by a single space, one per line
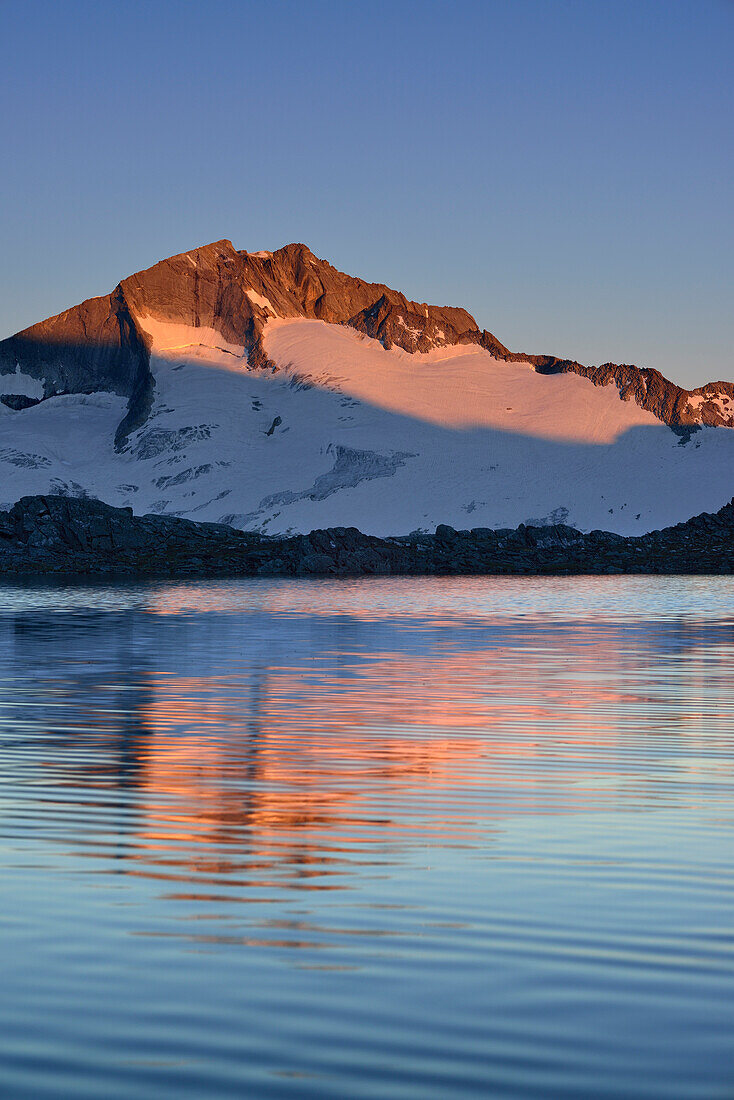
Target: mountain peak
272 391
104 341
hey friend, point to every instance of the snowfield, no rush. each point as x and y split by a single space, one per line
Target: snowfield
460 386
346 433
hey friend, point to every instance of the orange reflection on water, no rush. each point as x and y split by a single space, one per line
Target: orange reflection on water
354 754
266 771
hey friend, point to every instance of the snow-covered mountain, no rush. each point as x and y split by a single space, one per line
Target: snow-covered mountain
273 392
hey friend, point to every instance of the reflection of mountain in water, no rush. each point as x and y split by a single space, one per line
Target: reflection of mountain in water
244 748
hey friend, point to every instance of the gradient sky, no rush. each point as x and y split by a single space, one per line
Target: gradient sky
564 170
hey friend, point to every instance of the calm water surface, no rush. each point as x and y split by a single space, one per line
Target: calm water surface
381 838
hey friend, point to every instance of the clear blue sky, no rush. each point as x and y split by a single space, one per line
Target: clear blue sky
565 170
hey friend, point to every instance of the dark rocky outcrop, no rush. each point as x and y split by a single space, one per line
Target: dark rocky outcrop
95 346
101 345
62 535
18 401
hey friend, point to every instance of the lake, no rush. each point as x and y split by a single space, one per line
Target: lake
389 837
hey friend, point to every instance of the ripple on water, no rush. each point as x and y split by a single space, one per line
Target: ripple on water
398 837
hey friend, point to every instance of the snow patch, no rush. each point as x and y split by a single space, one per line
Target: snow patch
720 400
458 387
23 459
167 481
414 332
350 468
70 488
157 441
169 338
21 384
262 301
558 515
64 444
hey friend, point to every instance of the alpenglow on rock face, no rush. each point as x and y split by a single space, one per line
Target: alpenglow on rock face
274 393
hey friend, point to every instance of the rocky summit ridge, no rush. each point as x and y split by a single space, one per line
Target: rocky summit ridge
102 345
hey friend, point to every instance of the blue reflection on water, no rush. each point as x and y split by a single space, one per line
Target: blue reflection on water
381 838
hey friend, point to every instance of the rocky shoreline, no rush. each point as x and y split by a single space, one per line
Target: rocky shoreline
58 535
